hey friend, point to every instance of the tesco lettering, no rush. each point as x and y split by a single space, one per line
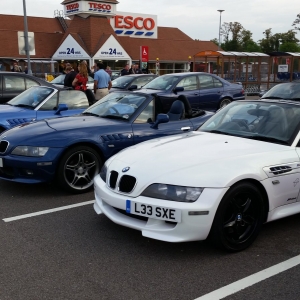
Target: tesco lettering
99 6
130 22
72 6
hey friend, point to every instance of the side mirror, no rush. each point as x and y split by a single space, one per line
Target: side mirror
61 107
161 118
178 89
133 87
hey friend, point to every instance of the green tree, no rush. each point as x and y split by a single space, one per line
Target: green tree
216 41
297 22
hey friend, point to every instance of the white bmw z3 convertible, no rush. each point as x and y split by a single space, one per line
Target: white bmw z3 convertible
241 168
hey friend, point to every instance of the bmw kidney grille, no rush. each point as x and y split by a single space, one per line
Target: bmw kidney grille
125 184
3 146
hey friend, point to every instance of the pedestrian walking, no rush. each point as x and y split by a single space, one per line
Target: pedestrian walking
102 82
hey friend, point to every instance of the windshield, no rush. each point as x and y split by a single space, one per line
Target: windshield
121 82
117 105
32 97
288 91
265 121
164 82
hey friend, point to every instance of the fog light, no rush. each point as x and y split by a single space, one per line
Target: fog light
28 172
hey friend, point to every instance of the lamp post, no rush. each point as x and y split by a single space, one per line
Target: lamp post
220 11
26 39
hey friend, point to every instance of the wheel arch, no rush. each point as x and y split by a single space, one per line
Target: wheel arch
261 189
87 144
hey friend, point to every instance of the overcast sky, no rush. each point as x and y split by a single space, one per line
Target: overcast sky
197 18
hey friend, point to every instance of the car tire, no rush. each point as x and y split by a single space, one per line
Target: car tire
224 102
77 169
239 218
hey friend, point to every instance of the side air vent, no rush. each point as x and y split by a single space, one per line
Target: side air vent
115 137
280 170
18 121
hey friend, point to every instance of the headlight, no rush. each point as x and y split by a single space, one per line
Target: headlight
30 151
172 192
103 172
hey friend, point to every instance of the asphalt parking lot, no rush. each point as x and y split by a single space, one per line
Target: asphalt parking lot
75 254
54 246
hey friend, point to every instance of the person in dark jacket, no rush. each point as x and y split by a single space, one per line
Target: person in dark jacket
125 71
70 76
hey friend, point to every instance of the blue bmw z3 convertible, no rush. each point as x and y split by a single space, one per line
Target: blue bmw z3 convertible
41 102
73 149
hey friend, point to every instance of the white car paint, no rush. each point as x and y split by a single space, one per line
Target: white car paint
200 159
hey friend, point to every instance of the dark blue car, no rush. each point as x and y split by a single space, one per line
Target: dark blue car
73 149
203 90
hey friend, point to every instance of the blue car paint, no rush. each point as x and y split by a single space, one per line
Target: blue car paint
206 99
107 136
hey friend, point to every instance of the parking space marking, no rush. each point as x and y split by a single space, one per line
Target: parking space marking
48 211
251 280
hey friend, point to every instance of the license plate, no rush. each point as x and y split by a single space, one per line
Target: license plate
153 211
1 163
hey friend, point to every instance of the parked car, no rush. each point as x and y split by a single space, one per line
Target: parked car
73 149
131 82
14 83
203 90
115 74
59 81
239 170
287 91
41 102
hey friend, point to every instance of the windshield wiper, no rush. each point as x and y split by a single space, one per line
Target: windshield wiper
113 117
219 132
266 139
271 97
89 114
24 105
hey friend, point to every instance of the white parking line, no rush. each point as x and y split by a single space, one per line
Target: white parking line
250 280
48 211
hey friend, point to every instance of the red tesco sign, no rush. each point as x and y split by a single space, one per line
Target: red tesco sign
99 6
72 6
130 22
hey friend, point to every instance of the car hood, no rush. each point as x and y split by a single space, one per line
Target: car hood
200 159
9 109
63 131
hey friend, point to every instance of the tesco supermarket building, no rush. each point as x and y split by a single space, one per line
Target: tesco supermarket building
96 31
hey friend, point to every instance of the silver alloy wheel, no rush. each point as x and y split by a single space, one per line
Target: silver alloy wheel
80 169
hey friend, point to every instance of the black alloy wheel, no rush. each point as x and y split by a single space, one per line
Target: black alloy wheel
239 217
77 169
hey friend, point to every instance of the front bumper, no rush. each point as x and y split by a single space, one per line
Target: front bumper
191 227
30 169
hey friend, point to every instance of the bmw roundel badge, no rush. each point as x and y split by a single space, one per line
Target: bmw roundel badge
125 169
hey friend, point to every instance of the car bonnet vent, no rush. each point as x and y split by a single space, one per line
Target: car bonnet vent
280 170
3 146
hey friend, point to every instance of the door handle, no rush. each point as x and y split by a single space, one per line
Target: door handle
185 128
196 94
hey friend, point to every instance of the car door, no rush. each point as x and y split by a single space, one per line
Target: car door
12 85
75 100
211 90
142 130
191 89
